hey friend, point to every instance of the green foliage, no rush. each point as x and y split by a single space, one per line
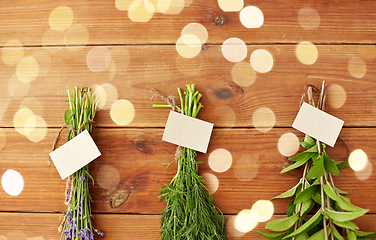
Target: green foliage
335 210
190 212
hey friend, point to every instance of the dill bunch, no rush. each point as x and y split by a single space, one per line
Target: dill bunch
190 212
77 223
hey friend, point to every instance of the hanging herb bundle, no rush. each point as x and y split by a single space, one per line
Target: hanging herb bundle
316 191
77 222
190 212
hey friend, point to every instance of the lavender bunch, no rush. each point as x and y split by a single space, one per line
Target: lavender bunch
77 223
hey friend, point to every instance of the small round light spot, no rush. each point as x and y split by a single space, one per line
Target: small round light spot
77 35
211 182
52 38
336 96
247 167
262 210
35 128
231 5
12 52
101 95
244 221
16 88
12 182
231 229
306 52
122 112
123 4
251 17
141 11
172 7
108 177
27 69
243 74
111 95
263 119
358 160
366 172
220 160
98 59
357 67
61 18
20 118
308 18
288 144
262 61
197 30
234 50
188 46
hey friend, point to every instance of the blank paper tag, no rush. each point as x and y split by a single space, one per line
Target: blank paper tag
75 154
318 124
187 132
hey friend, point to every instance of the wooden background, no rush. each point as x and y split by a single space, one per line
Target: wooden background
144 56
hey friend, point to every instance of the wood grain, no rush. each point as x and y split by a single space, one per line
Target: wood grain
39 226
130 171
141 68
339 22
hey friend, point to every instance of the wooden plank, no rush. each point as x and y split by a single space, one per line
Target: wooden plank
137 69
130 171
337 22
38 226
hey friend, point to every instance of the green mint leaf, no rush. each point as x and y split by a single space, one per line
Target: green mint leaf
288 193
337 235
272 236
291 209
67 116
312 222
283 224
317 170
319 235
330 164
351 235
344 216
300 159
342 164
307 207
308 140
345 204
348 224
313 149
306 194
365 235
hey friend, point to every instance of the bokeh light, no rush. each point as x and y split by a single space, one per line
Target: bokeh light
288 144
197 30
244 221
101 95
231 5
12 182
52 38
16 88
234 50
123 4
20 118
98 59
246 167
27 69
220 160
251 17
108 177
111 95
243 74
336 96
12 52
357 67
122 112
308 18
366 172
77 35
262 210
263 119
172 7
306 52
231 229
61 18
262 61
210 181
358 160
35 128
188 46
141 11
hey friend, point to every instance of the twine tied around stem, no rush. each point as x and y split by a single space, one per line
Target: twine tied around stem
169 99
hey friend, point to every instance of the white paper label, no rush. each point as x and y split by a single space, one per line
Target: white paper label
318 124
187 132
75 154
